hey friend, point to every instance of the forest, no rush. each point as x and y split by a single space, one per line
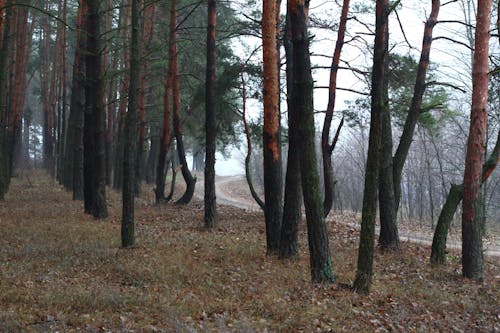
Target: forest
366 134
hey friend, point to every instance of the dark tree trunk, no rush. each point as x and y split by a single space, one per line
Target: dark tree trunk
292 208
326 147
379 103
416 103
4 162
210 121
174 74
438 254
302 100
73 155
248 158
271 141
125 14
94 171
388 238
154 150
131 123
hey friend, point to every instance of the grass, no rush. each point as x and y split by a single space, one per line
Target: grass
63 271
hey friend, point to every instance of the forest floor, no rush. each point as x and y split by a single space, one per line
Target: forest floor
61 270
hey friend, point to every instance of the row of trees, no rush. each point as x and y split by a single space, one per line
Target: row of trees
120 98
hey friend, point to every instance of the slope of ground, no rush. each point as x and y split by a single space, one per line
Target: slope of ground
63 271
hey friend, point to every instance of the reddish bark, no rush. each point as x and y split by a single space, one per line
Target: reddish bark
472 255
271 130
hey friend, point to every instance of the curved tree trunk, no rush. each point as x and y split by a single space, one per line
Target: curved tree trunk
248 174
302 100
326 147
173 70
379 103
210 121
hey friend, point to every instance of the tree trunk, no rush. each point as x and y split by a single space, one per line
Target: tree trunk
248 157
416 103
388 238
210 121
125 14
4 172
302 100
131 122
326 147
73 178
160 169
292 208
94 171
379 103
174 74
271 141
472 245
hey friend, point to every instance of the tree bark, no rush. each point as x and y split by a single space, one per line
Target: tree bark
292 208
73 178
302 100
472 245
174 74
271 142
94 171
210 121
4 172
379 102
326 147
131 131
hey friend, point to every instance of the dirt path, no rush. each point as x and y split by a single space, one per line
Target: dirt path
233 190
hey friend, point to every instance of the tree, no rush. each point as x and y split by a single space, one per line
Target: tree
73 156
472 245
271 130
302 100
327 147
392 167
210 121
94 172
379 103
292 207
131 130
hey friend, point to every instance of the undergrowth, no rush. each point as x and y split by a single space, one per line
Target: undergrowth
64 271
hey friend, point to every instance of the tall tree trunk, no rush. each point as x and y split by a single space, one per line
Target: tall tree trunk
271 141
416 102
160 168
4 48
326 147
210 121
302 100
22 46
147 36
94 171
248 157
292 207
125 14
379 103
73 158
131 130
472 244
174 73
